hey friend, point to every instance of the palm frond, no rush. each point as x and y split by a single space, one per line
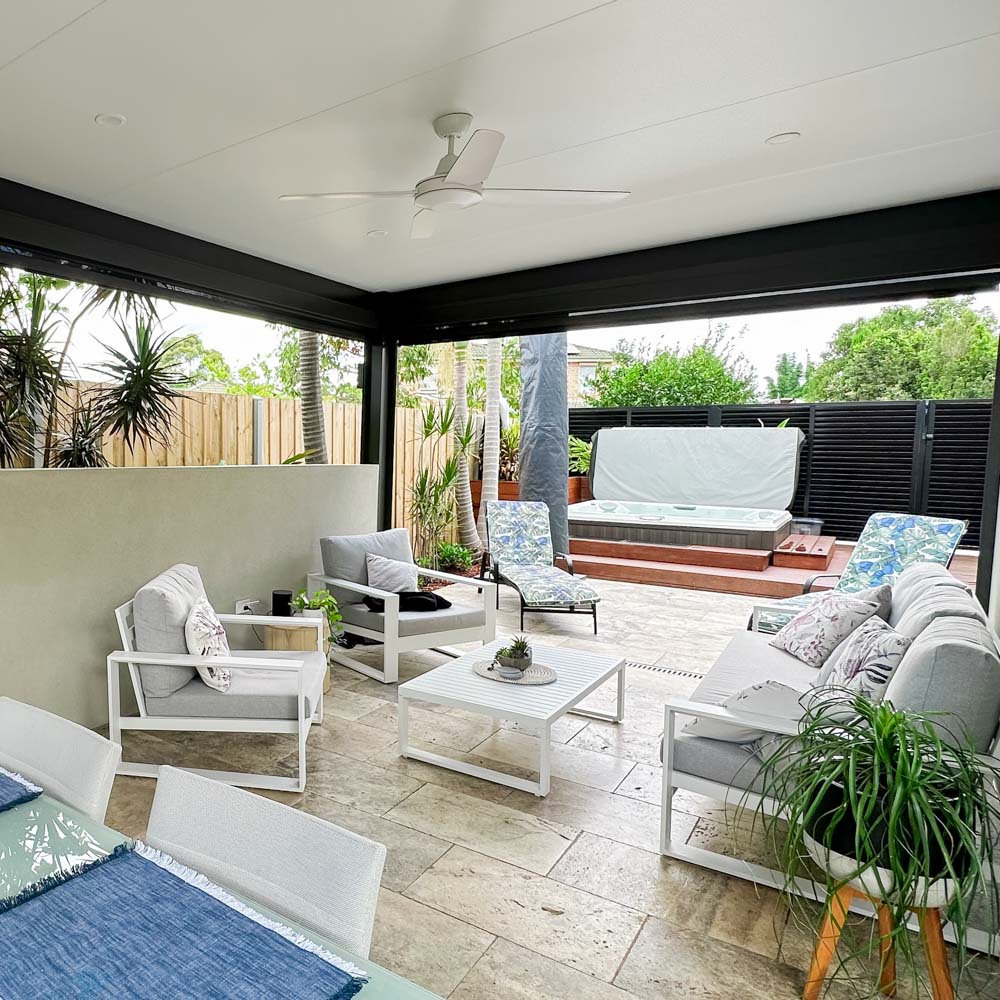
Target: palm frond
140 401
82 446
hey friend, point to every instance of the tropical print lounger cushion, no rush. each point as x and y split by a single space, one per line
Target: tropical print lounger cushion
548 585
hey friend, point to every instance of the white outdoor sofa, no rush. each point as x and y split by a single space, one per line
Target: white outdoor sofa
345 575
271 691
951 667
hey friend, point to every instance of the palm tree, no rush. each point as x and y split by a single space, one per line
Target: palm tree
491 434
467 533
313 427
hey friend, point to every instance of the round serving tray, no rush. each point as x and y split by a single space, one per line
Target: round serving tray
537 673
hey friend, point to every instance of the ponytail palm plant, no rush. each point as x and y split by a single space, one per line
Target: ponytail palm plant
890 800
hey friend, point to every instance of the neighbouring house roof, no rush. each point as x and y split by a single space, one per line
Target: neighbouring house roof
581 353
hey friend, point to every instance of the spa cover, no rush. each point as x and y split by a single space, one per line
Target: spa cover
706 466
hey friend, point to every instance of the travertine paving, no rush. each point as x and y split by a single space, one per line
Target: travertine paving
490 892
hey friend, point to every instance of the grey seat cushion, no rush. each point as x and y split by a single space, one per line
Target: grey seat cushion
952 667
253 694
748 659
716 760
416 622
917 580
160 611
345 556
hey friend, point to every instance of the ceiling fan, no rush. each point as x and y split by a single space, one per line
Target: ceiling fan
459 178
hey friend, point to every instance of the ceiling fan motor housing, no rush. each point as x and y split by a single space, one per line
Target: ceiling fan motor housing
435 194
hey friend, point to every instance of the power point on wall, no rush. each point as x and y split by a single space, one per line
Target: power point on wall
245 606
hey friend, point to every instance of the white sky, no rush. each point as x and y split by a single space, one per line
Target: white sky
767 335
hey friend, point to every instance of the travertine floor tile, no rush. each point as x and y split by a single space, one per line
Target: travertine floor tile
424 945
343 703
489 828
128 808
446 778
727 909
643 782
619 741
353 782
576 928
507 970
573 763
668 962
410 852
434 728
351 739
628 821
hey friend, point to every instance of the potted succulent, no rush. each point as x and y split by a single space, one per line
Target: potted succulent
880 801
514 658
322 604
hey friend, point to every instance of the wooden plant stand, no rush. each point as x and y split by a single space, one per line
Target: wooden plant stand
289 639
837 908
813 552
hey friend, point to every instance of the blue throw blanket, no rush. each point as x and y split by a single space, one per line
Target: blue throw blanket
137 924
14 790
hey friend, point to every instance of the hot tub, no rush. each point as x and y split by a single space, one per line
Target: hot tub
679 524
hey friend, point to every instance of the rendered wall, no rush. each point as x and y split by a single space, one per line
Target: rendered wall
76 543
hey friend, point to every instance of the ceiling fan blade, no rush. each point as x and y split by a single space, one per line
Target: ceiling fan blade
476 161
550 196
422 226
337 195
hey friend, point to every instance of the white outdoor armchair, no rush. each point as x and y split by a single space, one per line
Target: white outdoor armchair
300 867
71 763
345 574
271 692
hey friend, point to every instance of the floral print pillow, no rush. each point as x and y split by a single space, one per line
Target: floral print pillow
869 659
813 634
205 636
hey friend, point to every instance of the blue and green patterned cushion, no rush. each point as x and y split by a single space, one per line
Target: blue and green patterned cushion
519 533
549 585
888 544
891 542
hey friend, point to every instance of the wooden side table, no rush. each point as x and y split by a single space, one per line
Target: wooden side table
287 638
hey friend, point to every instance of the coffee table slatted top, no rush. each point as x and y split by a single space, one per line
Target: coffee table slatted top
579 673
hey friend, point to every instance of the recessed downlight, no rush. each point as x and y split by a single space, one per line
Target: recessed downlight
780 138
108 120
377 234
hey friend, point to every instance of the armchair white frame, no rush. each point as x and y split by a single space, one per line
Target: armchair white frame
673 779
133 659
392 642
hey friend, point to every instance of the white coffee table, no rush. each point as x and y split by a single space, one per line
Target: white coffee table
534 707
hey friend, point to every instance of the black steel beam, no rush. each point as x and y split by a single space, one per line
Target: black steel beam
936 248
44 232
378 421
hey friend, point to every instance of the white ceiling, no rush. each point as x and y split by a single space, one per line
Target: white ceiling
233 102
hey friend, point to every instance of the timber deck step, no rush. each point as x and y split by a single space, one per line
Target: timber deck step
771 582
688 555
813 552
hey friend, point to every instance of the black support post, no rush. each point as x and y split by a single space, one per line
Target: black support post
378 421
991 495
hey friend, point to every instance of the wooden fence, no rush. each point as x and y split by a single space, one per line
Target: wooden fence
214 428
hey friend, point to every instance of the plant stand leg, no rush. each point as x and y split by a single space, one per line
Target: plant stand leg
937 958
826 944
886 952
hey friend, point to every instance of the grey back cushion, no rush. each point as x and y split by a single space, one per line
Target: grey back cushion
345 557
160 611
953 667
915 581
934 603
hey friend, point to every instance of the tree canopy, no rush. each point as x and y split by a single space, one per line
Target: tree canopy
710 372
946 349
790 377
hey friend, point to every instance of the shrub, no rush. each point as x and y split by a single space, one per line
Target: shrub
453 556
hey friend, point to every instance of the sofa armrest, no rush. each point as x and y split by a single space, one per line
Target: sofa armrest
358 588
283 620
755 720
468 581
190 660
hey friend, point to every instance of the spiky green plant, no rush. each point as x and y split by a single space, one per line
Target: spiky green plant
510 447
82 446
15 435
140 401
579 455
896 791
